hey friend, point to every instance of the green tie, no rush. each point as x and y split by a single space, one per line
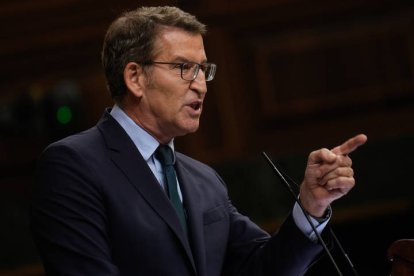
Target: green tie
164 154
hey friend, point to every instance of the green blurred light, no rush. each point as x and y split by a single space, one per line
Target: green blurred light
64 115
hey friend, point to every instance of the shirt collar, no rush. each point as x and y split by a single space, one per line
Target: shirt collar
145 142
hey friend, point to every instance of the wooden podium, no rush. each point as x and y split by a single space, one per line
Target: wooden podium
401 254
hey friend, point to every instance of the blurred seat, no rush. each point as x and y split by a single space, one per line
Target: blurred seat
401 255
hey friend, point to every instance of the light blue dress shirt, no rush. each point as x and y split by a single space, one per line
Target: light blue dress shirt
147 144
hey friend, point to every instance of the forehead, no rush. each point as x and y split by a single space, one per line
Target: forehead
174 43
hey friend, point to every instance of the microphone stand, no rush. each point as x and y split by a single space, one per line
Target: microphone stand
307 216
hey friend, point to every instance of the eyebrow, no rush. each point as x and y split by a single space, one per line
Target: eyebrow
183 59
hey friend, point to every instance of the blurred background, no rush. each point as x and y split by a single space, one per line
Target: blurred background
293 76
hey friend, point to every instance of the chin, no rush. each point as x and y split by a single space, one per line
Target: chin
185 126
192 130
189 129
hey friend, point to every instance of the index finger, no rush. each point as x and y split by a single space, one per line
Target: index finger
350 145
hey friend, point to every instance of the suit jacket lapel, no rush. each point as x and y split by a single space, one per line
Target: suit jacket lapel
191 194
128 159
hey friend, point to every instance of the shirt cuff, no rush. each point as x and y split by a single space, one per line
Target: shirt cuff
302 223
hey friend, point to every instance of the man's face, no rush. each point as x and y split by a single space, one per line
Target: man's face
171 106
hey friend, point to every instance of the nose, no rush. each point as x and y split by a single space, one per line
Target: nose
199 83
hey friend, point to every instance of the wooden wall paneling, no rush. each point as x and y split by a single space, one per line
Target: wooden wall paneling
229 100
295 72
314 72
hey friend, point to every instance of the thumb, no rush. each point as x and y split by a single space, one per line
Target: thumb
320 156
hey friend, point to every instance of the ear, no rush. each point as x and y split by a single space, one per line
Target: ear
134 78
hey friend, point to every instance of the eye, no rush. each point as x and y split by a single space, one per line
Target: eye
187 66
203 67
177 65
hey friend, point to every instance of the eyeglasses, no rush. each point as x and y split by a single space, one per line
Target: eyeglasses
189 70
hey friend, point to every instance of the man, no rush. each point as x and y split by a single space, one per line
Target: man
107 200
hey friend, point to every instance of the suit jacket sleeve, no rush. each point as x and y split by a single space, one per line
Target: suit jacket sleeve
68 220
251 251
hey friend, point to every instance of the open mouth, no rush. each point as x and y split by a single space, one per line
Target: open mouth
195 105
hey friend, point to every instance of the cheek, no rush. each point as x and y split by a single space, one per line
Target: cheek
170 110
167 102
163 103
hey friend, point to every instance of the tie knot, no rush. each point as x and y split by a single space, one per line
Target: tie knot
165 155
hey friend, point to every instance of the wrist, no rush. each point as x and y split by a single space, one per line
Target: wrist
317 211
326 215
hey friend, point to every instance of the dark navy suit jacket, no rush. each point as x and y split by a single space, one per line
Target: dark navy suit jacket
97 209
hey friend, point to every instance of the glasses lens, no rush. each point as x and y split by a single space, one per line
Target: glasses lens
210 71
190 70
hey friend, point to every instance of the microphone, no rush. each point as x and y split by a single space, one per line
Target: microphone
307 216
